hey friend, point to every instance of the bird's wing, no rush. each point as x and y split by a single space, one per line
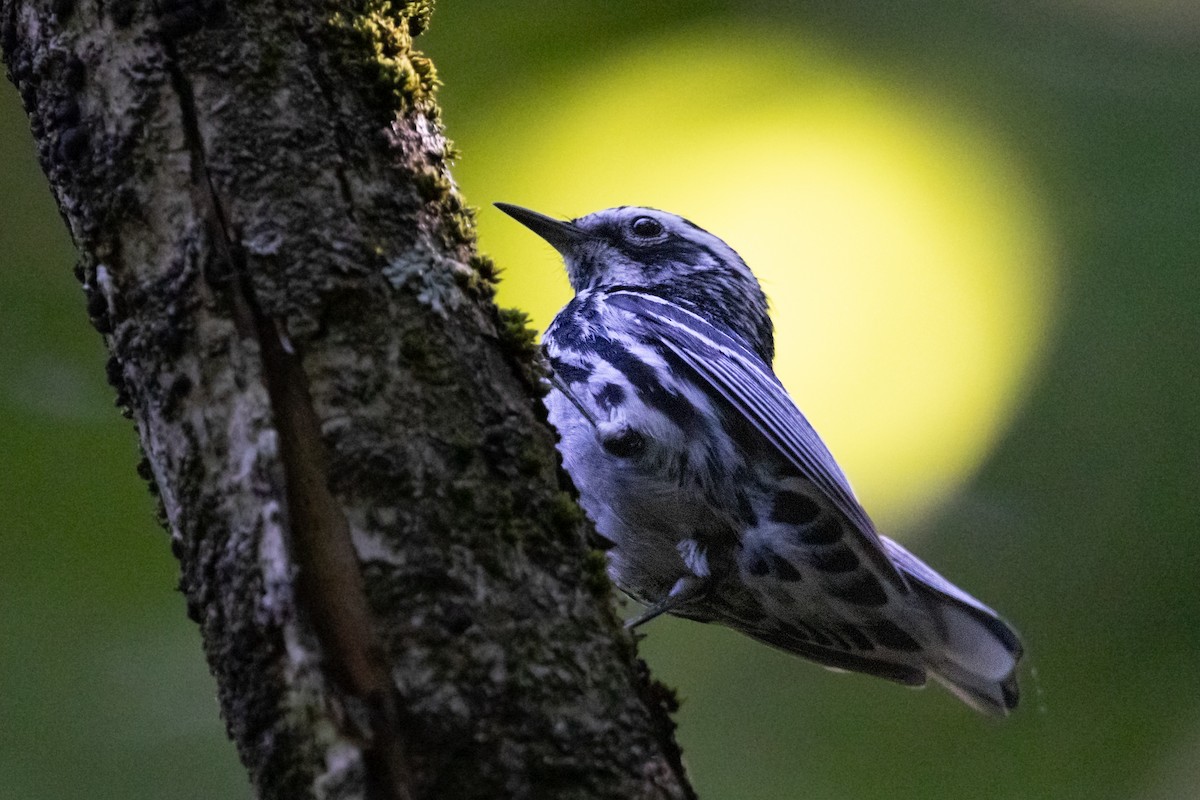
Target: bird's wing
743 380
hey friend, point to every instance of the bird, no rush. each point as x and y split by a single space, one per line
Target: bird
716 499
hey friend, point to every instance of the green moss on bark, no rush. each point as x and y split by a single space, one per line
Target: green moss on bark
375 39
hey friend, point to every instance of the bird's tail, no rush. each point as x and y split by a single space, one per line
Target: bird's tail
978 653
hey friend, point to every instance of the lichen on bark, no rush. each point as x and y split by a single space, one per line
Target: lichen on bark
394 587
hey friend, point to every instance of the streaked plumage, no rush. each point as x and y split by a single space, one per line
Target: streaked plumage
722 503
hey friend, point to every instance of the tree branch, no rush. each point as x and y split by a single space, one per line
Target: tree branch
393 584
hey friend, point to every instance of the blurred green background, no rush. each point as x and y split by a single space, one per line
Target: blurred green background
978 224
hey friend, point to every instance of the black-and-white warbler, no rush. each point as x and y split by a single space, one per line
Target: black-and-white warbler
721 502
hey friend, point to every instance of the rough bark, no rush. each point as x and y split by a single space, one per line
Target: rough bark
394 586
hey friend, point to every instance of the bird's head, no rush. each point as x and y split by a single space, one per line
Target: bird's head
648 249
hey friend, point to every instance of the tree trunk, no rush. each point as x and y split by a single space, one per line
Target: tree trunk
393 583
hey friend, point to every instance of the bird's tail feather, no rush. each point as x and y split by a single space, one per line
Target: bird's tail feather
978 654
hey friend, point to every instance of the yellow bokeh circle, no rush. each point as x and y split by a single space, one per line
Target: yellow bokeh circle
905 261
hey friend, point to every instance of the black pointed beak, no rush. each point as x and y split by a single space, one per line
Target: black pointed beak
562 236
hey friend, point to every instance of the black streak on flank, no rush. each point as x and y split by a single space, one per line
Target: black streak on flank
793 633
814 634
856 637
838 641
825 530
645 382
746 510
793 508
570 373
626 444
864 590
793 640
783 569
764 562
832 559
610 396
890 635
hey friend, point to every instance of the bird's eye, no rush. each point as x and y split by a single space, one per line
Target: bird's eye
646 227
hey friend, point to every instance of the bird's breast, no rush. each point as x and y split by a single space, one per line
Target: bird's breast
649 477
